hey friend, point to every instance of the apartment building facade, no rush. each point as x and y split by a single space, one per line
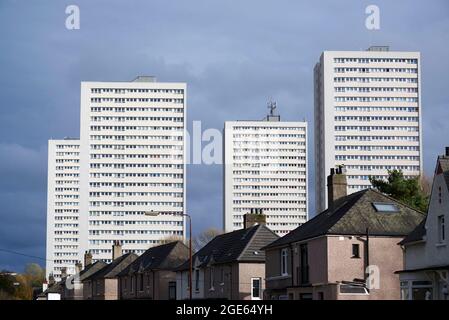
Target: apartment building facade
265 168
63 207
367 116
130 161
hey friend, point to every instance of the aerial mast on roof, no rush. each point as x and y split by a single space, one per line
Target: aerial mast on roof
272 106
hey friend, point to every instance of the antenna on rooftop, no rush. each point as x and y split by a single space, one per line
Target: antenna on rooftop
272 106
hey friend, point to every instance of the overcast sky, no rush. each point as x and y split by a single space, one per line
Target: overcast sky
233 55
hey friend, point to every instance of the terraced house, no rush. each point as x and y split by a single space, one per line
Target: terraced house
231 266
152 275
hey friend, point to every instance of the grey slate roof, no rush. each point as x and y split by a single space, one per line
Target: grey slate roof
164 257
353 214
242 245
114 268
416 235
91 269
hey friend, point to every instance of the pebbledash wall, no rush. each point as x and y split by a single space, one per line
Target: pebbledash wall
367 116
131 161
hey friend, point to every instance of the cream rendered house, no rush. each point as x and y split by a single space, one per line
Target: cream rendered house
426 251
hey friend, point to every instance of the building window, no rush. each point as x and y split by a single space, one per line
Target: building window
197 280
172 290
304 264
284 262
441 229
256 288
305 296
355 250
211 277
141 282
132 284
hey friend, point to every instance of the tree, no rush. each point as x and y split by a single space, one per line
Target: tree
205 237
34 274
408 190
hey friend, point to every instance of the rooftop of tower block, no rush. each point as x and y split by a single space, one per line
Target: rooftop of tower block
378 48
145 79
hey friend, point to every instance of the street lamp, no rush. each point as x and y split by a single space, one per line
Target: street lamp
153 213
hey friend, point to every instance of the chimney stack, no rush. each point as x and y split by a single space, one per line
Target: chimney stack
447 151
116 249
336 186
87 258
51 280
63 272
255 217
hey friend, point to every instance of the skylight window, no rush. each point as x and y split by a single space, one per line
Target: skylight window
385 207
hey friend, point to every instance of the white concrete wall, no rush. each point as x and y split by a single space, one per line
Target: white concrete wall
331 111
134 132
62 207
258 174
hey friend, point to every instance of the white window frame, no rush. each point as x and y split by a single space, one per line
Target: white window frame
260 289
284 262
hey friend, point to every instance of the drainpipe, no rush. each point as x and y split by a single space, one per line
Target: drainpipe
230 276
366 253
154 285
291 262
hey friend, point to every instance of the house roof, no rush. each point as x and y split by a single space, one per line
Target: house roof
443 162
416 235
114 268
91 269
420 231
242 245
167 257
352 215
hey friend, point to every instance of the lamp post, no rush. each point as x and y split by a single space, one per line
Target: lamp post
156 213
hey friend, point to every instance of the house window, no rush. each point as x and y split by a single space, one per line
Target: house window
197 280
284 262
355 250
441 229
256 288
132 284
385 207
211 277
304 264
141 282
172 290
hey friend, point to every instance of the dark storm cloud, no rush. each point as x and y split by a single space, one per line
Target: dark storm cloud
233 55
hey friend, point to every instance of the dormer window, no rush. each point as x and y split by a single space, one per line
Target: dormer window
385 207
